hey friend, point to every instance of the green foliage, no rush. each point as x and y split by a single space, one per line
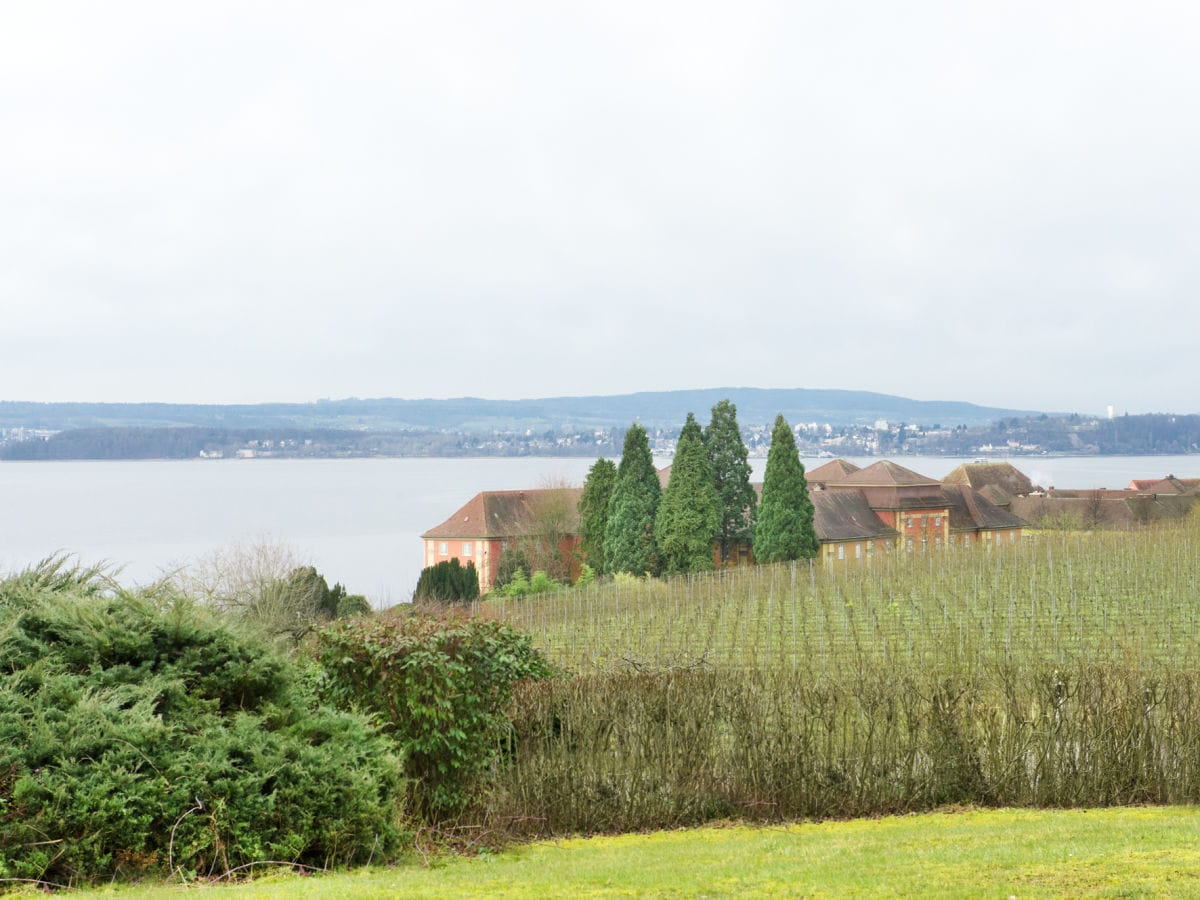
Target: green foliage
593 510
448 582
541 583
728 457
587 575
689 514
441 689
784 530
538 583
518 585
141 732
350 605
629 544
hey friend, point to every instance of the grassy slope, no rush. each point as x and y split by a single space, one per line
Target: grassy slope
992 853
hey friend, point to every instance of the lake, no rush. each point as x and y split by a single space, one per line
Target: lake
357 520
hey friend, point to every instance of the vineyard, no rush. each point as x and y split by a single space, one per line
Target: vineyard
1056 597
1063 671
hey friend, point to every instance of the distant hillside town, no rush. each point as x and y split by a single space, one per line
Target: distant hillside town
1007 437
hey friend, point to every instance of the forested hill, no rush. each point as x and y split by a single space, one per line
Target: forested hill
655 409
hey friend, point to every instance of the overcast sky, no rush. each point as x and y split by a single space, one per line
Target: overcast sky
243 202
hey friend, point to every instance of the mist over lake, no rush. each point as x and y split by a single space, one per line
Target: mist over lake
358 520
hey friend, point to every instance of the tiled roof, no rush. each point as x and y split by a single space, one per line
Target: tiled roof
506 514
834 470
886 473
1110 512
1004 475
1168 485
846 516
971 511
996 494
1092 493
911 497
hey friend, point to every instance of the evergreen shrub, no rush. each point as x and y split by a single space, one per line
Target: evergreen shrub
448 582
139 733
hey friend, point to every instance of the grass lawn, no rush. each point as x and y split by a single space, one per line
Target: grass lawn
1125 852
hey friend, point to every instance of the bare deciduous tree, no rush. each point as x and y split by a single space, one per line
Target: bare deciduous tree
253 581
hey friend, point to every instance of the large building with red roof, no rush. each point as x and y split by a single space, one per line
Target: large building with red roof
857 513
908 512
493 521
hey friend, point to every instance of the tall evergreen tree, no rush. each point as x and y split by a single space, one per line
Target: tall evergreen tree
689 514
727 455
593 510
629 533
784 529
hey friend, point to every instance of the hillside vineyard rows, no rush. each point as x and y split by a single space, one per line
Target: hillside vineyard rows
1061 671
1056 597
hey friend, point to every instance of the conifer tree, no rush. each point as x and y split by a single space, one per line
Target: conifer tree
727 455
629 533
689 514
593 510
784 529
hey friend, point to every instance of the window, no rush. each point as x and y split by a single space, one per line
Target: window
858 551
924 543
1012 536
998 535
444 549
937 542
908 544
937 521
966 540
910 521
468 548
841 551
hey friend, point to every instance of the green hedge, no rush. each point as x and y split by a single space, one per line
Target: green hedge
442 689
137 732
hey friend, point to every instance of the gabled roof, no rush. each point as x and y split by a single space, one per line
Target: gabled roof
846 516
1002 475
508 514
971 511
834 470
902 498
889 485
886 473
1168 485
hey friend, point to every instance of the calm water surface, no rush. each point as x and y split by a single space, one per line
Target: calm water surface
358 520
